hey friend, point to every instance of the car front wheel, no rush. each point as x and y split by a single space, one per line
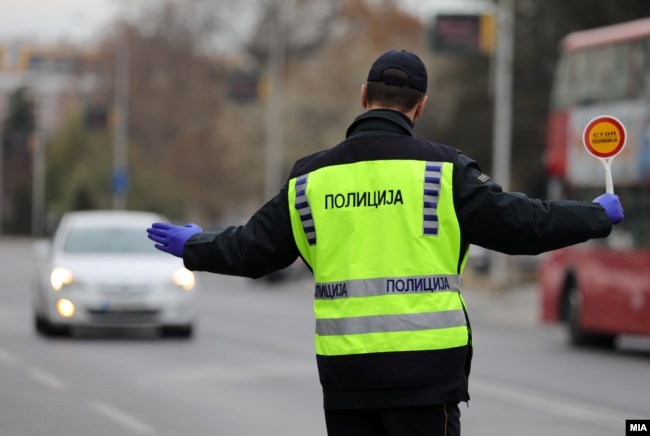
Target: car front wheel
46 328
178 331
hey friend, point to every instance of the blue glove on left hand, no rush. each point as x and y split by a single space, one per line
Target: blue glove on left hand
612 205
171 238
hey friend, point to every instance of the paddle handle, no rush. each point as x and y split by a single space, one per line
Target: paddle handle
609 183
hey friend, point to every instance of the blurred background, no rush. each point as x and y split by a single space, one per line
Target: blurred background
198 109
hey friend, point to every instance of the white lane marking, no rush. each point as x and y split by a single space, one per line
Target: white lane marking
553 404
124 419
45 378
8 358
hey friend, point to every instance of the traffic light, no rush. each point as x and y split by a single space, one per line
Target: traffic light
96 117
463 34
243 87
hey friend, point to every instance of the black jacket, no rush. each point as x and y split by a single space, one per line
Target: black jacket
488 217
511 223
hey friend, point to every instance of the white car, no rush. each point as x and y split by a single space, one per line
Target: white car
100 269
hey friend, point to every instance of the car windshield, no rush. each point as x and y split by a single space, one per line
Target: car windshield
108 240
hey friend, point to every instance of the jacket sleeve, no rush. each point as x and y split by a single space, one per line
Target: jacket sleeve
513 223
263 245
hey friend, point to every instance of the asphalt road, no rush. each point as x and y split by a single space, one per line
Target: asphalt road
250 369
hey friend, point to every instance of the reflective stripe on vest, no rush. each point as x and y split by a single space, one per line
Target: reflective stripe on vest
383 286
432 177
390 323
414 332
302 205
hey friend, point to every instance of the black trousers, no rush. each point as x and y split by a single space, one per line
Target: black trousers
441 420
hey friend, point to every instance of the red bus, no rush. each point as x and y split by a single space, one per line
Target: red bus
601 289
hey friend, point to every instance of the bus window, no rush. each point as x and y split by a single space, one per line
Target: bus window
618 83
560 94
584 77
636 86
645 69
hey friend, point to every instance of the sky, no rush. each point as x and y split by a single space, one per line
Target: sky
55 20
83 20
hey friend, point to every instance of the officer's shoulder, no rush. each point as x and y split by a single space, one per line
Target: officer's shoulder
307 163
456 156
448 150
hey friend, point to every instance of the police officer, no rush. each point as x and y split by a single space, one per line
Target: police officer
384 220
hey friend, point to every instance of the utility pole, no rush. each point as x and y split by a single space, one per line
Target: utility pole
502 134
3 106
45 107
275 102
120 130
38 178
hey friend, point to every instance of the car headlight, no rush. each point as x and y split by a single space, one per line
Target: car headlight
65 308
184 278
59 277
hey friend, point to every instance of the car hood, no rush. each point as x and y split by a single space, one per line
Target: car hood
120 268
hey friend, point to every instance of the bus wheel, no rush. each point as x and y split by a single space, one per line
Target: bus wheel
578 337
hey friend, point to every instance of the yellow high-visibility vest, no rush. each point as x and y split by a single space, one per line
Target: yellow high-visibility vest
383 241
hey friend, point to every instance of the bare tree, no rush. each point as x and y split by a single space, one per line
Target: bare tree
176 98
190 144
304 26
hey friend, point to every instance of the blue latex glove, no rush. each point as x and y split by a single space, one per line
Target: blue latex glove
171 238
612 205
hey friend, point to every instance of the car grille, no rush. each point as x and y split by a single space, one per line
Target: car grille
124 317
123 288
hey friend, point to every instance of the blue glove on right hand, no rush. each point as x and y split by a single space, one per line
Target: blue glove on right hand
612 205
171 238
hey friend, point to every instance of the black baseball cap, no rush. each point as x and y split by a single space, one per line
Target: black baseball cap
404 61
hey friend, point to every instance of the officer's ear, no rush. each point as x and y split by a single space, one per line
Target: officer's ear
420 107
364 96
